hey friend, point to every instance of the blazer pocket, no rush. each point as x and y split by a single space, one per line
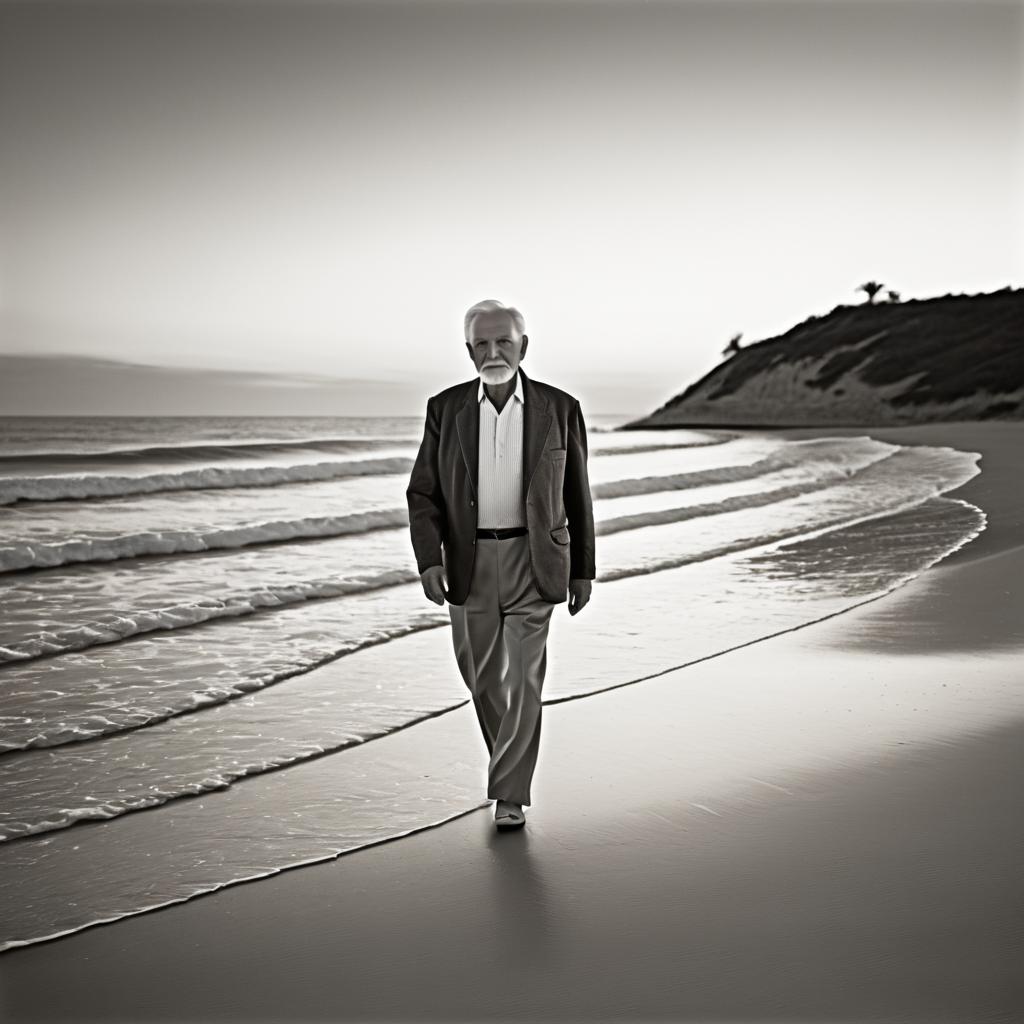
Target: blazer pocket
561 535
556 453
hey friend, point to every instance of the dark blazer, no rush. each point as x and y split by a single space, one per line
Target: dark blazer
442 492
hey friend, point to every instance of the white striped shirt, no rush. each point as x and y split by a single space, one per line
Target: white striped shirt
500 466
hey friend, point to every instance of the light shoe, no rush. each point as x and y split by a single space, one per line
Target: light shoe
508 815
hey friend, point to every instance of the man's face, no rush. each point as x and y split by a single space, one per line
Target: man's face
496 347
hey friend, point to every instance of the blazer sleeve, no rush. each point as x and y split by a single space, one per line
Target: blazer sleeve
579 507
427 510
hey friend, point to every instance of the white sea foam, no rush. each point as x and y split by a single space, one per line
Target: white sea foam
19 554
129 527
126 472
342 702
80 486
71 610
123 685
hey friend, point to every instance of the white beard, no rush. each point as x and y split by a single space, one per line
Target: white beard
497 375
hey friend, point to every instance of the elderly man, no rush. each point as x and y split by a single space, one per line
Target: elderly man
502 527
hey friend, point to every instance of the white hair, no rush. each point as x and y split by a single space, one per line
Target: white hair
493 306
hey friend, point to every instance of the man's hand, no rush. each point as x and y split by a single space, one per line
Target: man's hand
579 595
435 583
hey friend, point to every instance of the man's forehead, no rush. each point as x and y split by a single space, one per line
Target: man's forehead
491 323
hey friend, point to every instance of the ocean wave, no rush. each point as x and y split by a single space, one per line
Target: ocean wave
79 629
909 477
14 489
15 555
85 486
897 483
48 549
52 789
836 459
121 625
206 450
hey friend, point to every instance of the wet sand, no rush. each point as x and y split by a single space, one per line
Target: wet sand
822 826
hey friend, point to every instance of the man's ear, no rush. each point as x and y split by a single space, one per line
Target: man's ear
469 349
522 351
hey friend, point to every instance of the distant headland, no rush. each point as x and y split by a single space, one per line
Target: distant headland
953 357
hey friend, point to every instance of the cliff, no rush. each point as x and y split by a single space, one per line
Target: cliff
955 357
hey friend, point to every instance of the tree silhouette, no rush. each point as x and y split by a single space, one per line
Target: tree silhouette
893 296
871 287
734 345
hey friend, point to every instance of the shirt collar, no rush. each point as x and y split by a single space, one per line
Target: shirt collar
518 393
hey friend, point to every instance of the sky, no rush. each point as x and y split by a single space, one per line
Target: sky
326 187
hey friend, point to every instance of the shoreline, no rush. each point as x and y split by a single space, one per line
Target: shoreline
803 828
998 490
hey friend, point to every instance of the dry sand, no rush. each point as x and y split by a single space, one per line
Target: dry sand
823 826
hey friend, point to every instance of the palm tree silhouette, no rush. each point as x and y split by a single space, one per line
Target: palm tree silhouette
734 345
871 287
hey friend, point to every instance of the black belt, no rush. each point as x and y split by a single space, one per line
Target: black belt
502 534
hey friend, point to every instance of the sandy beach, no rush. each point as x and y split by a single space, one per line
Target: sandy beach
822 826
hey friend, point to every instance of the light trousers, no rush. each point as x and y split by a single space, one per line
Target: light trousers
500 636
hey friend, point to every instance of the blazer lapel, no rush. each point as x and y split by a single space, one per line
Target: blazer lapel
536 423
467 423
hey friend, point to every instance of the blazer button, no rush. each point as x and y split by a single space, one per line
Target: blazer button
471 502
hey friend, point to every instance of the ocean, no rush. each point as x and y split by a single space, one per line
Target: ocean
211 619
